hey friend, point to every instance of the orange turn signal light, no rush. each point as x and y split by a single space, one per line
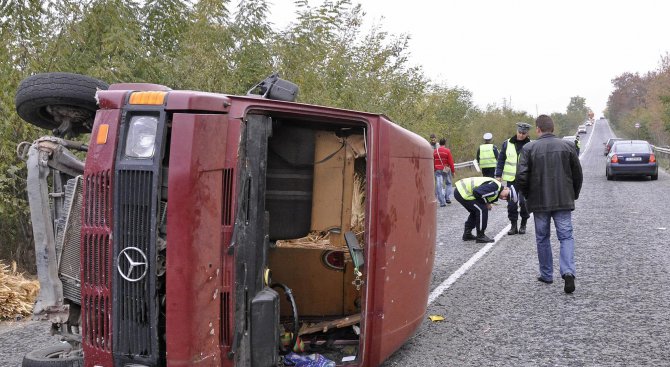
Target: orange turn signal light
614 159
149 98
652 158
103 131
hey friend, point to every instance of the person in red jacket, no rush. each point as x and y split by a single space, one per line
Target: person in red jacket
444 171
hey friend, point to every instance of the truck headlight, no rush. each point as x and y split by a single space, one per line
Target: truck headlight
141 139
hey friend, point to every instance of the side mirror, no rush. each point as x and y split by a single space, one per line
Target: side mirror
275 88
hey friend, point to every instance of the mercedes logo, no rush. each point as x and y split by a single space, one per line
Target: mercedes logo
136 264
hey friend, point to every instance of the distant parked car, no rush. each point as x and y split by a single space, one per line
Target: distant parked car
588 123
631 158
608 144
569 137
581 129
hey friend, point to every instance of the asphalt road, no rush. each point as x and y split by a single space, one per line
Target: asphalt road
497 314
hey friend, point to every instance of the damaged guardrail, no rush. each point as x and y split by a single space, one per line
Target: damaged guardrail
468 164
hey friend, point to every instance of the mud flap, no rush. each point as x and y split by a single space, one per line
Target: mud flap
264 333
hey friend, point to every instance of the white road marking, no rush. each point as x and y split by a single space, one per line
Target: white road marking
464 268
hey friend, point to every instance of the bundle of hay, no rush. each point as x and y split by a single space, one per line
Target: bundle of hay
17 294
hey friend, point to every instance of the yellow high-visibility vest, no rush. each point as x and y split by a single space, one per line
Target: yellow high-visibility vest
511 159
467 186
487 159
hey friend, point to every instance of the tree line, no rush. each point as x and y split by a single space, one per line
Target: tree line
217 46
644 100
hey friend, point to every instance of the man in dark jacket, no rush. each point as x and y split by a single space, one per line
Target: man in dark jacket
550 177
506 171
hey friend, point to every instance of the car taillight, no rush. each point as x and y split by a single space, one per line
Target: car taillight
652 158
614 159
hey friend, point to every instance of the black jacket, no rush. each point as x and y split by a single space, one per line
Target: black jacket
549 174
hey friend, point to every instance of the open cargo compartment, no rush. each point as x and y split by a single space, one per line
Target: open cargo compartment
315 204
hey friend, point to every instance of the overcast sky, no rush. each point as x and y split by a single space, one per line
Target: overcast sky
535 53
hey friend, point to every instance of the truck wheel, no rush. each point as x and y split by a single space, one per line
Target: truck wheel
62 102
55 356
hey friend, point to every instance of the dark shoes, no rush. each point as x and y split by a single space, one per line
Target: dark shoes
468 236
522 227
569 283
448 201
482 238
520 230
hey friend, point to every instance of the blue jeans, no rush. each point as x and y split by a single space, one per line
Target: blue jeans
442 193
439 184
447 183
563 224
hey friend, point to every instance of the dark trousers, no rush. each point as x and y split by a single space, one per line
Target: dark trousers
479 213
513 208
488 172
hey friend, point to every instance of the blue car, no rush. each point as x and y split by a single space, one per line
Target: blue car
631 158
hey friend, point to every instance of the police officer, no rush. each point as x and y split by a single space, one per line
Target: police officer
476 195
487 156
506 170
578 144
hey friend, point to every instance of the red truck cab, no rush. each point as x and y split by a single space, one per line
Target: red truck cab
221 230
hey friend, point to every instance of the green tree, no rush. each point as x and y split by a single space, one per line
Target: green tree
577 111
251 60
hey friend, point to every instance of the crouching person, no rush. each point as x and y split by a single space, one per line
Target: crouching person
476 195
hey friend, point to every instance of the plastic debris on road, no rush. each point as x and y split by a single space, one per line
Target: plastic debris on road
436 318
311 360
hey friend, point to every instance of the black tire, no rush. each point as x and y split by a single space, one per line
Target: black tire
654 177
51 357
609 177
68 93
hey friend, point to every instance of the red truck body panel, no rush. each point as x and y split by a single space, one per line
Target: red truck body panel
206 133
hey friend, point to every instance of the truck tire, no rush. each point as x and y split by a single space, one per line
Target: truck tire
52 357
42 100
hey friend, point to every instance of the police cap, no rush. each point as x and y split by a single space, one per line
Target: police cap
488 136
522 127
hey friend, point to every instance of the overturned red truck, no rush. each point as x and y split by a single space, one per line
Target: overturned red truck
206 229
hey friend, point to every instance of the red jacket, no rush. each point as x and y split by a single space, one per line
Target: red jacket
446 160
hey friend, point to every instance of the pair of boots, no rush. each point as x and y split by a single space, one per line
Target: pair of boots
480 238
521 230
